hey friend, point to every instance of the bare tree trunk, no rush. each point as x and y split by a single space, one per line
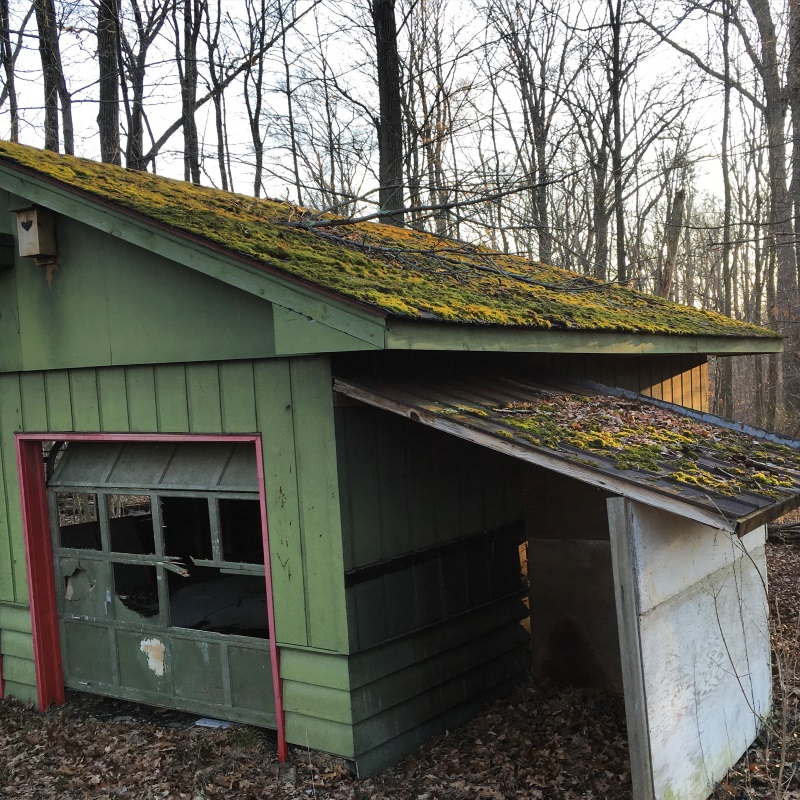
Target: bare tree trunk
186 59
293 144
8 58
725 382
615 22
390 125
214 72
46 24
672 237
781 228
107 56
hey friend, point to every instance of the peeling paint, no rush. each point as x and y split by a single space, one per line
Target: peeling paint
154 650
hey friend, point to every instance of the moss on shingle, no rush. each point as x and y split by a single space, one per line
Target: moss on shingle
639 437
401 272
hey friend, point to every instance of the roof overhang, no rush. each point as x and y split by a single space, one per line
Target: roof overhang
422 335
694 465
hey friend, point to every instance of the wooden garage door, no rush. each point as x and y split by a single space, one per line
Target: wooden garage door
159 567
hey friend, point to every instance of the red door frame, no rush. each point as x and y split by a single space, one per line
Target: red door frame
41 572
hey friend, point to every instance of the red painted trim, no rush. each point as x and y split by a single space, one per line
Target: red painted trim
39 557
41 576
273 649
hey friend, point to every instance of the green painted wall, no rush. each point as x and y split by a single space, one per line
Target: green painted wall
291 402
433 638
109 302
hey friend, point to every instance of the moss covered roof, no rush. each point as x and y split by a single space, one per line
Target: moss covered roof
400 272
668 451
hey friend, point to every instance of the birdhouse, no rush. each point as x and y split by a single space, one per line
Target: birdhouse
36 232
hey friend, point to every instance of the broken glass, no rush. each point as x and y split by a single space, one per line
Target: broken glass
130 524
211 599
240 531
77 521
135 590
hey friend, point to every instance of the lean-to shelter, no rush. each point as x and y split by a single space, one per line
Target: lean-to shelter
267 465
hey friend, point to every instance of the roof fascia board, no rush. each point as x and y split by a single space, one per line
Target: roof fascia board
542 459
185 250
403 335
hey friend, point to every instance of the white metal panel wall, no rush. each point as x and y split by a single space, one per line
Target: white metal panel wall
694 634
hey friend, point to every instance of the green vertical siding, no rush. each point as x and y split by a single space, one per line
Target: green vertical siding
318 486
436 629
291 403
16 647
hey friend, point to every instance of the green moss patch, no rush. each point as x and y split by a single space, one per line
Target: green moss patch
401 272
635 437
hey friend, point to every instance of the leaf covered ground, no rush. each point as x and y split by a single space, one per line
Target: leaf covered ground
541 743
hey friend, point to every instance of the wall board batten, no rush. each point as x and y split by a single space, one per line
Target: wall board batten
14 643
692 612
13 576
274 414
172 405
113 400
18 670
321 702
15 618
237 396
25 693
8 386
85 405
59 400
408 487
34 401
317 479
320 734
205 402
140 385
406 683
473 681
320 669
443 708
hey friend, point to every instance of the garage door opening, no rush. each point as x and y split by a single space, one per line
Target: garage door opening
157 554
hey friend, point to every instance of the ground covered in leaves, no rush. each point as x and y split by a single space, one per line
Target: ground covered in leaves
541 743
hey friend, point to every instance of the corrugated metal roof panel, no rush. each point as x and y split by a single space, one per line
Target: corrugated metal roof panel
193 466
694 465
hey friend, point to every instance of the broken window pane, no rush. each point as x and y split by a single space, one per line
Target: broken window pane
212 600
240 530
85 585
136 590
77 520
186 528
130 524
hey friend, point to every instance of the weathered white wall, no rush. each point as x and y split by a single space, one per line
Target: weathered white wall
693 620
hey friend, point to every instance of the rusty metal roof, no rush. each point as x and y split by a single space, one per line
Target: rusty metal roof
698 466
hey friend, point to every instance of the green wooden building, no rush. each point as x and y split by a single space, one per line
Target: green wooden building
260 464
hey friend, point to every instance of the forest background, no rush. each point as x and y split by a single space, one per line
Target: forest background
654 143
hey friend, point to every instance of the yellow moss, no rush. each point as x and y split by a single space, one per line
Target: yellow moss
399 271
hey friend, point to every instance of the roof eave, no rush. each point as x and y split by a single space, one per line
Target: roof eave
403 334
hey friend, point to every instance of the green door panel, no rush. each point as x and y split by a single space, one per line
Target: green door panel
87 655
198 670
145 661
160 576
251 679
